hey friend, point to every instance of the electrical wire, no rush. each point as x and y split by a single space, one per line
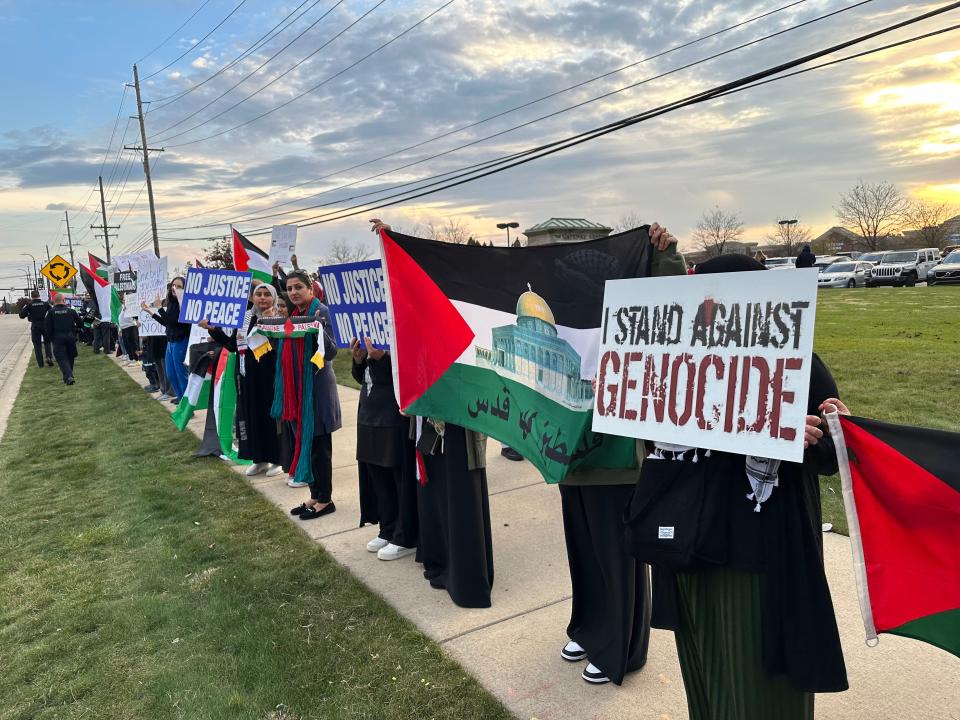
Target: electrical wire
198 42
748 82
320 84
259 68
170 36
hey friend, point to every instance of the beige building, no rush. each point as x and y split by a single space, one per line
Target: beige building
562 230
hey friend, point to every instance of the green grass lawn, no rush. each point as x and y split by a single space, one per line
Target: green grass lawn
341 368
895 354
138 582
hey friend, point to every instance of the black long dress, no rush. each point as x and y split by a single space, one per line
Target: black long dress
456 545
257 433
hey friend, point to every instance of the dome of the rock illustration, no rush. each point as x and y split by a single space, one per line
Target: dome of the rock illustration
532 305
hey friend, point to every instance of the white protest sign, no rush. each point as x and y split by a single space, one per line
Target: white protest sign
197 335
719 361
151 289
283 244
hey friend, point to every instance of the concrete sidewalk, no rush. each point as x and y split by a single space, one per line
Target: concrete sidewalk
513 647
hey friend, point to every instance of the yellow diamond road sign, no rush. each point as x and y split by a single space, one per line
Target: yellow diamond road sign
59 271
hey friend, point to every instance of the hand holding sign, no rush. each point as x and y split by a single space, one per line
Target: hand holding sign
218 297
373 352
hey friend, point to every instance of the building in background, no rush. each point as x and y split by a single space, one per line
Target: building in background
565 230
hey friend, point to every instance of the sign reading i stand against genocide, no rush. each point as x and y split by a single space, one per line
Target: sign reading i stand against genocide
217 296
356 296
714 361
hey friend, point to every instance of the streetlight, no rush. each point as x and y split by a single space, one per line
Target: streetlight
26 274
506 226
786 224
36 284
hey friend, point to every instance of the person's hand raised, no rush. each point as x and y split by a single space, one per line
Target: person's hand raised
374 353
660 238
377 225
204 324
356 349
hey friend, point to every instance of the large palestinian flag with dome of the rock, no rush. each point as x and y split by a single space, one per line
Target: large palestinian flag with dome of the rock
901 488
503 341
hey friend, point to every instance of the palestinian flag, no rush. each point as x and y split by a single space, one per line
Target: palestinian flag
504 341
197 395
901 491
247 257
295 327
225 401
99 266
109 306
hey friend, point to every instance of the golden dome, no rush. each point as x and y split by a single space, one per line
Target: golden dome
532 305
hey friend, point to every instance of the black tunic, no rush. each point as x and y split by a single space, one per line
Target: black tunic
456 544
257 433
784 542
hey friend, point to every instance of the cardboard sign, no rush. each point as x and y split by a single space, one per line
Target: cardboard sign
125 281
357 298
718 361
217 296
283 244
151 289
58 271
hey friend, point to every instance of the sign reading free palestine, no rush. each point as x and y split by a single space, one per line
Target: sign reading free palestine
719 361
217 296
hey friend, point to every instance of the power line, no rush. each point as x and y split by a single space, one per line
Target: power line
471 125
245 218
260 67
260 42
739 85
113 132
198 42
276 79
320 84
170 36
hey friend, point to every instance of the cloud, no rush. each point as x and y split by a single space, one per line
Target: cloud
58 206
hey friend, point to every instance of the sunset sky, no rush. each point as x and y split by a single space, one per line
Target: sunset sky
789 148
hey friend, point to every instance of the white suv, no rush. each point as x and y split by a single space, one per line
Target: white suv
903 267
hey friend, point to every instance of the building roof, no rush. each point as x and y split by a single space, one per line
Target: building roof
565 224
837 230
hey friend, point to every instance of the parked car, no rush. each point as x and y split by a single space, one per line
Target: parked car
852 254
903 267
947 272
844 274
873 257
826 261
778 263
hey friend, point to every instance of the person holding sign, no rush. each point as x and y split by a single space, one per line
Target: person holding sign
178 336
388 488
257 432
736 547
316 391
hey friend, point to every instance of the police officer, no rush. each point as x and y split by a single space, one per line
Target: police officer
36 311
61 326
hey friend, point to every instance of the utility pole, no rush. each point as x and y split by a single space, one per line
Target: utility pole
47 247
146 161
66 215
106 228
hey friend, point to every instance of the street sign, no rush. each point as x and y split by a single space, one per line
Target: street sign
59 271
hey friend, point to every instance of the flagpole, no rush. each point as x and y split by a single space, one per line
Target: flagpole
853 525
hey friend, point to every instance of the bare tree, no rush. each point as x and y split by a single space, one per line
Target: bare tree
628 221
874 211
926 221
452 230
343 251
790 236
715 229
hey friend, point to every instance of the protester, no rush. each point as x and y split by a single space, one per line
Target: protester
752 615
129 337
178 335
318 416
61 325
388 487
102 335
610 613
806 258
257 432
36 312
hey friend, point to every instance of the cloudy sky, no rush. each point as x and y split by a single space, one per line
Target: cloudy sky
788 148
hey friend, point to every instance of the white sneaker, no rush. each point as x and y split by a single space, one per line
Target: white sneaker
256 469
376 544
592 674
163 397
394 552
572 652
293 483
274 471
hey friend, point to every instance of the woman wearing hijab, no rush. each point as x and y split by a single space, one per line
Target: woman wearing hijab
257 431
178 336
752 614
388 488
308 397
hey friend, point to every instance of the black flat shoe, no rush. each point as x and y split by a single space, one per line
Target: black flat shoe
299 509
49 362
69 381
511 454
312 513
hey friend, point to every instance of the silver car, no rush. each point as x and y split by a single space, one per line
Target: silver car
844 274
